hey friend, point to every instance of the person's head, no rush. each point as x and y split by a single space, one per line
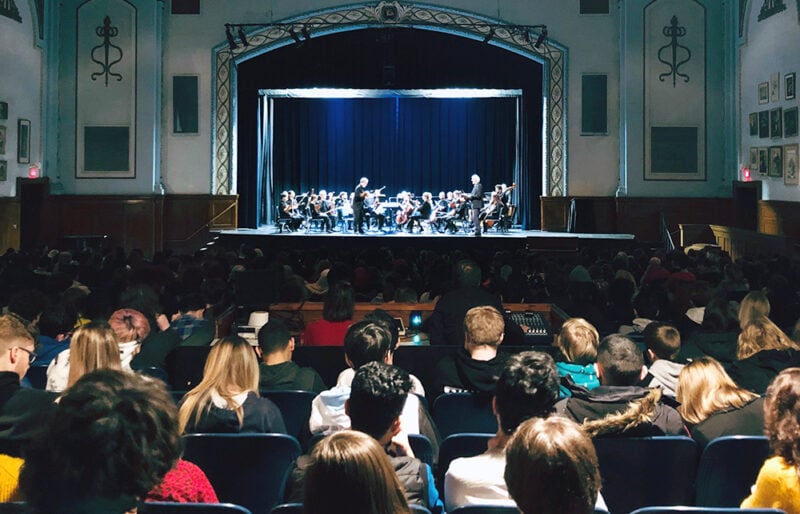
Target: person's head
619 361
274 337
754 305
350 472
17 346
705 388
467 273
720 316
483 326
231 369
551 468
93 346
663 341
366 341
113 436
782 415
386 320
57 321
129 325
364 181
340 302
578 340
762 334
526 388
192 304
377 396
475 178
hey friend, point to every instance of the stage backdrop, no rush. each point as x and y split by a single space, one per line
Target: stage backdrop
402 143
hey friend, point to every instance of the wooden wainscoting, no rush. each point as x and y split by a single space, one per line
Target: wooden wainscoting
150 223
9 227
779 218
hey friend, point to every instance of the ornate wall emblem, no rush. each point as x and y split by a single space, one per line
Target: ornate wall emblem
106 54
674 54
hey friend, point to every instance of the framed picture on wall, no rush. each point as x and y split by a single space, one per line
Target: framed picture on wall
763 92
790 122
775 161
753 159
3 170
753 123
2 139
790 162
23 141
774 87
763 161
776 122
763 124
789 86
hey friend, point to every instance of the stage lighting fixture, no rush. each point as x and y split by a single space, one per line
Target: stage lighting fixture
541 38
489 36
242 37
305 32
231 41
297 41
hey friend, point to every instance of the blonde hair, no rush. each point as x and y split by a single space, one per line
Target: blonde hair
704 388
754 305
578 341
551 467
12 330
93 346
129 325
484 326
762 334
231 369
350 472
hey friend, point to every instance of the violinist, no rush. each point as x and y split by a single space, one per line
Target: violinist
377 211
325 210
290 208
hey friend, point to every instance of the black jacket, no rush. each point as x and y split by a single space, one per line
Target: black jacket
757 371
289 376
260 416
22 411
461 373
746 420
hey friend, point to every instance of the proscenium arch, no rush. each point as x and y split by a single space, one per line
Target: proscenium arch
551 55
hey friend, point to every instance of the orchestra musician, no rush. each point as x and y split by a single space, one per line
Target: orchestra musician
325 211
292 210
407 208
377 211
359 197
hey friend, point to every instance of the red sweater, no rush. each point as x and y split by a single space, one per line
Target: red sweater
185 483
325 333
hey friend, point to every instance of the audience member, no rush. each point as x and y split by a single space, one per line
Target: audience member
160 341
777 485
131 327
337 316
366 342
277 370
22 410
56 324
663 342
445 325
189 323
619 406
113 437
712 405
577 340
10 468
93 346
227 400
349 472
376 403
475 366
754 305
763 350
552 468
717 335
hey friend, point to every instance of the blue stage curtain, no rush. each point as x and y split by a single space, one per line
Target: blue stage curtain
403 143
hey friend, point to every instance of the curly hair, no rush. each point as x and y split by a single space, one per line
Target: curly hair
782 415
112 438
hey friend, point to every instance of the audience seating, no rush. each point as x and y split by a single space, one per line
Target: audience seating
246 469
185 366
704 510
422 448
455 413
37 376
297 508
641 471
155 372
456 446
295 407
191 508
728 467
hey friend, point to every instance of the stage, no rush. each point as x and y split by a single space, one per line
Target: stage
269 237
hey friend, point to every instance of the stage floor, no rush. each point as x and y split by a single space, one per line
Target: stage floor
533 240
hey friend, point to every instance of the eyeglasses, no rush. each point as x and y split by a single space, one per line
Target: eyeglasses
31 355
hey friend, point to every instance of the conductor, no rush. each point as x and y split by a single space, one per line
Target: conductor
476 203
359 195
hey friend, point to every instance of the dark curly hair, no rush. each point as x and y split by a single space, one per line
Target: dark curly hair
782 415
112 438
